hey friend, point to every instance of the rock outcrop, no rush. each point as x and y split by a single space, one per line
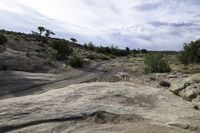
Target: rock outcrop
188 89
99 107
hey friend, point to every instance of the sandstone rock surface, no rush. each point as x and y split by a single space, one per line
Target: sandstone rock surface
99 107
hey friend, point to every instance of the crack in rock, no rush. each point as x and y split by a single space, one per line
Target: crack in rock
99 117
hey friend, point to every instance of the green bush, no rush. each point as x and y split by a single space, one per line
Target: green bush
101 50
191 53
90 46
105 57
76 62
3 39
156 63
63 49
112 56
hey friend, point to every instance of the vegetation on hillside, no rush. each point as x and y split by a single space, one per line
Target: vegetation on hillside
53 49
111 51
63 49
76 62
42 31
191 53
43 34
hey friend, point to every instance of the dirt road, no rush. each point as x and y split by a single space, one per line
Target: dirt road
15 84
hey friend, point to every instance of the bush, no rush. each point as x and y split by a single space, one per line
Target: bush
191 53
101 50
105 57
3 39
156 63
144 51
76 62
63 49
112 56
91 46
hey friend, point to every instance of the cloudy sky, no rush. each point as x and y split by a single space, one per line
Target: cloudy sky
150 24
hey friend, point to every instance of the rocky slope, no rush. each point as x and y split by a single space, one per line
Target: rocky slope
100 107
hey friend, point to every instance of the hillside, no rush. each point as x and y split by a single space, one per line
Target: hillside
23 52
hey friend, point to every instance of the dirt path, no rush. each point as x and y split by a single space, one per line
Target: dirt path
17 84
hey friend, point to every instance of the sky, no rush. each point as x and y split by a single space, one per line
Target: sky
149 24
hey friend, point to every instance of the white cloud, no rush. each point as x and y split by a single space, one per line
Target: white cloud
125 23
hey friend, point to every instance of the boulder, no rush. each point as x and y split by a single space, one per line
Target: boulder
187 88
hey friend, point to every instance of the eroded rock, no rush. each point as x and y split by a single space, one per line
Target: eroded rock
196 103
187 88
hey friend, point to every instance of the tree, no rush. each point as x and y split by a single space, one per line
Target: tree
134 51
144 51
127 49
48 33
91 46
39 36
73 40
41 30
